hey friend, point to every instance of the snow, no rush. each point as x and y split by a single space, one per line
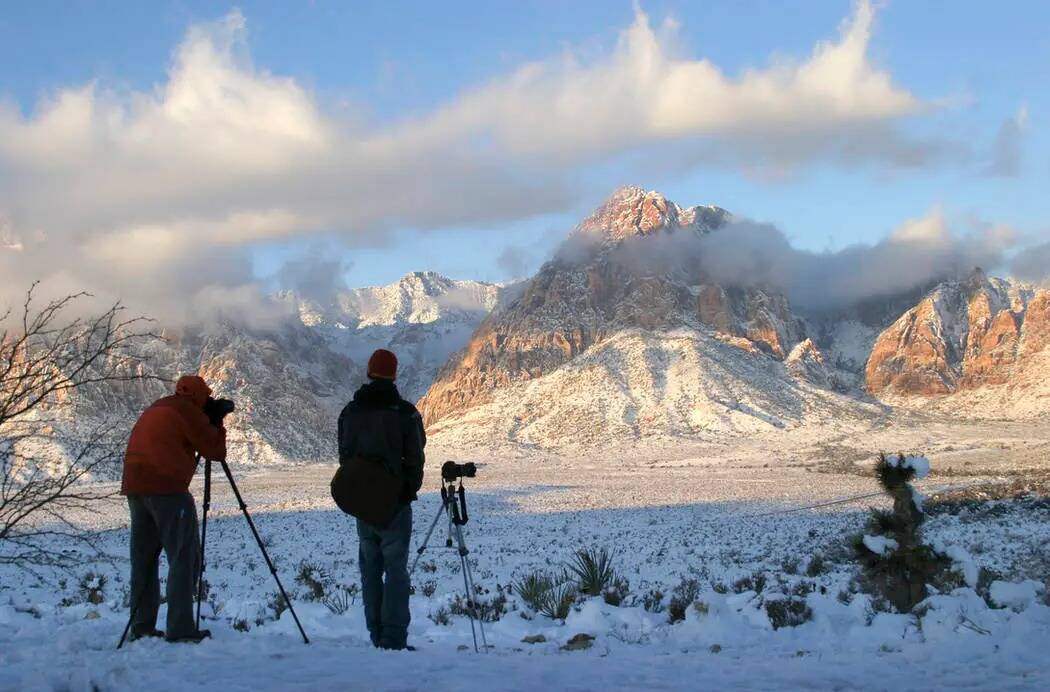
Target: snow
919 463
1018 595
702 517
678 384
880 545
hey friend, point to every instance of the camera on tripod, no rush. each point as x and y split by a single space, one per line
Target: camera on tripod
217 409
450 470
454 508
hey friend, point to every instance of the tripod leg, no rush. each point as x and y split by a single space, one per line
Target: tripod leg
470 599
262 548
468 583
419 551
204 536
131 619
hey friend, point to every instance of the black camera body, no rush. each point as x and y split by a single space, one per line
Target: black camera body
450 470
217 409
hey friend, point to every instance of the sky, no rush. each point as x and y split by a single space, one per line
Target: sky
189 154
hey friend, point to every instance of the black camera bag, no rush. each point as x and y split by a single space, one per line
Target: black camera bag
366 489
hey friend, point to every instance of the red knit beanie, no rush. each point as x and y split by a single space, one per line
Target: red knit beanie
382 365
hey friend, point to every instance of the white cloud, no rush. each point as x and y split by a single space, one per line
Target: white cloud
113 190
919 252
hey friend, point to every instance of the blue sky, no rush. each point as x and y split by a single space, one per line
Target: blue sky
969 84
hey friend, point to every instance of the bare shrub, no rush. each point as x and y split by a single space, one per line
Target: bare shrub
48 357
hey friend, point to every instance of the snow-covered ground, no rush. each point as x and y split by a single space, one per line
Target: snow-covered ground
712 520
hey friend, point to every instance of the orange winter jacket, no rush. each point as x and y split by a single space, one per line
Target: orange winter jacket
160 459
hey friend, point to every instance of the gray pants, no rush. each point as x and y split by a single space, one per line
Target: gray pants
386 603
167 522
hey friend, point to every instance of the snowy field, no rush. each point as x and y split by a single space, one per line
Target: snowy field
715 526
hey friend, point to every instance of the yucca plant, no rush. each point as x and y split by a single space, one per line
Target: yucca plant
896 564
534 588
593 569
559 601
547 594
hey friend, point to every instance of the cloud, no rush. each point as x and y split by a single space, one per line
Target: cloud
1006 150
157 195
317 275
1033 264
745 254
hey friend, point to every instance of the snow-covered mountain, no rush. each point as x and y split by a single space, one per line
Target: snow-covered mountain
604 346
423 318
596 287
291 378
980 344
611 341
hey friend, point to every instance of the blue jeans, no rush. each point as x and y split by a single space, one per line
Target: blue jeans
385 552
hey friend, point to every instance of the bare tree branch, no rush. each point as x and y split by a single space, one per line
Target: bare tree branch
48 358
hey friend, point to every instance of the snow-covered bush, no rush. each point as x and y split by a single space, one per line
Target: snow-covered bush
683 596
275 605
617 592
653 601
896 566
441 616
93 588
790 611
486 609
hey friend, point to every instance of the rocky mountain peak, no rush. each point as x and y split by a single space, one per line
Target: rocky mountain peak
633 211
427 283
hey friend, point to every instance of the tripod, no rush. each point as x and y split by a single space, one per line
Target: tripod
204 534
454 506
258 540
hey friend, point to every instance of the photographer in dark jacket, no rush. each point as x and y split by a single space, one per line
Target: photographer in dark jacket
379 424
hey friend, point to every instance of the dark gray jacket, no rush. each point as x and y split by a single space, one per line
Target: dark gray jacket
379 424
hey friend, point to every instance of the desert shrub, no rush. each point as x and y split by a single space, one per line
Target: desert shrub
488 609
429 588
313 579
617 592
92 588
339 600
559 601
787 612
276 605
441 616
653 601
683 596
790 565
593 570
241 625
534 588
756 581
816 566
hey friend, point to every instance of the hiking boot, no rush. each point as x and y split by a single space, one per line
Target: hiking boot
397 647
147 634
193 638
